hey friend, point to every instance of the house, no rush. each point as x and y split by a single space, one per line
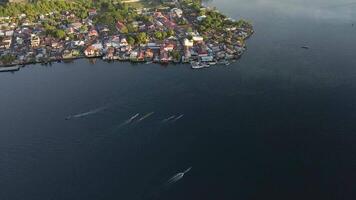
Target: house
153 45
116 38
168 47
76 25
158 15
112 44
133 55
67 54
6 42
198 39
141 56
164 57
149 53
93 33
188 43
172 38
92 51
78 43
98 45
207 58
55 44
123 42
104 30
9 33
120 26
126 49
35 41
110 53
159 23
177 12
167 23
114 41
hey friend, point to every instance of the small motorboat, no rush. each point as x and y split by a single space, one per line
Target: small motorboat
9 69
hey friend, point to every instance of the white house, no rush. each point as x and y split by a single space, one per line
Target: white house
123 42
9 33
178 12
198 39
133 54
188 43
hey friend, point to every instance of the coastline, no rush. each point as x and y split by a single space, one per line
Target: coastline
201 46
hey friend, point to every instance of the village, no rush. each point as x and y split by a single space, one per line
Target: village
163 35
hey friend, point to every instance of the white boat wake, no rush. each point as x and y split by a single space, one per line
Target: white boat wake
172 118
130 120
177 177
178 118
145 116
168 119
85 114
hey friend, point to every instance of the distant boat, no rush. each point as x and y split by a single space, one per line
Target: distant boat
305 47
178 176
197 65
212 63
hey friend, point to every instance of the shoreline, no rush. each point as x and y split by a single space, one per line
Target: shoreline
197 34
17 66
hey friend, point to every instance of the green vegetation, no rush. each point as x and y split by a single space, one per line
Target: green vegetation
131 40
142 38
161 35
217 22
54 32
7 59
175 54
194 4
33 10
109 12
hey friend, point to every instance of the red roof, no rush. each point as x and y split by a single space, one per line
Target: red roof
90 48
158 14
120 25
93 32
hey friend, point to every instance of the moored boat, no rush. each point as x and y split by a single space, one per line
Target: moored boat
197 65
9 69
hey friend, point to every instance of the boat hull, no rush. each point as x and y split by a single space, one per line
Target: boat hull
9 69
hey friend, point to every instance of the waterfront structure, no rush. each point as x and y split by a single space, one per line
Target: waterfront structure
6 42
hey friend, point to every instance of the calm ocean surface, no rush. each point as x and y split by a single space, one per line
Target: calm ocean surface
278 124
